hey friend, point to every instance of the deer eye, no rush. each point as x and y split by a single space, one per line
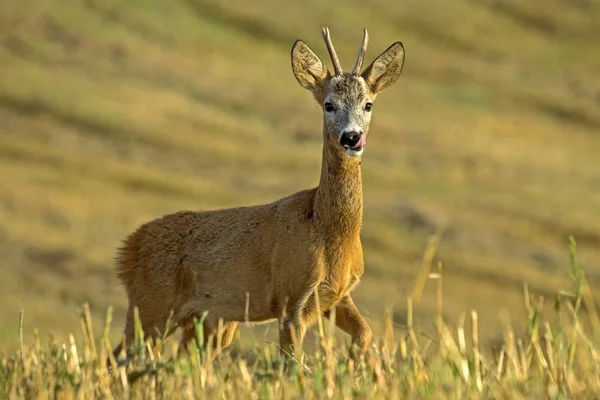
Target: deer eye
368 106
328 107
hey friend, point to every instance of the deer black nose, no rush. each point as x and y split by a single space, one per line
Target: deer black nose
350 139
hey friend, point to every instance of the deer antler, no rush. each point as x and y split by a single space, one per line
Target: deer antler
361 54
334 58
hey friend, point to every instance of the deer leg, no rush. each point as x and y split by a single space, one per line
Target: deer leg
128 333
291 335
348 318
293 326
221 335
228 333
153 327
189 335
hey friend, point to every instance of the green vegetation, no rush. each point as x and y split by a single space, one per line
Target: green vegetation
113 113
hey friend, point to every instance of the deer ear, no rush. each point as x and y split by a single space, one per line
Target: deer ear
386 68
308 68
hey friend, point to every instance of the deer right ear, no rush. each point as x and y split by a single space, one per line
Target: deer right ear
308 68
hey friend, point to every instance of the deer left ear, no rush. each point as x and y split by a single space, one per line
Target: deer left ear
386 68
308 68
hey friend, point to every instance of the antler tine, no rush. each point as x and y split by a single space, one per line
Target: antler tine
361 54
334 58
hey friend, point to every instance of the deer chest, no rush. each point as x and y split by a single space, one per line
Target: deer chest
336 285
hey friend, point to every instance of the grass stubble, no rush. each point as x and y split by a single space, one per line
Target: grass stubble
556 357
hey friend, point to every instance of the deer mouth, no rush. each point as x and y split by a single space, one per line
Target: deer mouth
353 145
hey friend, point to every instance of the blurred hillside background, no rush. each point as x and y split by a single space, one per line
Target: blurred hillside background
113 113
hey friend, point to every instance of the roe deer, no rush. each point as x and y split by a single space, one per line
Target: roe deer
270 261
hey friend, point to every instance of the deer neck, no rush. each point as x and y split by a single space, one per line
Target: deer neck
339 200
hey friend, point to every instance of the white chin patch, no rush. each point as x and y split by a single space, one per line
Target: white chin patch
354 153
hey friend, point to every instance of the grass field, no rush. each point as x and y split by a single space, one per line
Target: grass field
113 113
556 358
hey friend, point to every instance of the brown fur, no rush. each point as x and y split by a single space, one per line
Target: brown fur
274 255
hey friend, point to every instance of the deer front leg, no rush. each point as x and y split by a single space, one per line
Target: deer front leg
291 334
293 325
348 318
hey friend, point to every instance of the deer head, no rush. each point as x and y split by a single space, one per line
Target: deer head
346 98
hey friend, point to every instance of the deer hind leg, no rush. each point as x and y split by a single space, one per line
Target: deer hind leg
153 326
219 337
227 333
128 333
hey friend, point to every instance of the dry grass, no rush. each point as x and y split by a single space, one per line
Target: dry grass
113 113
555 358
